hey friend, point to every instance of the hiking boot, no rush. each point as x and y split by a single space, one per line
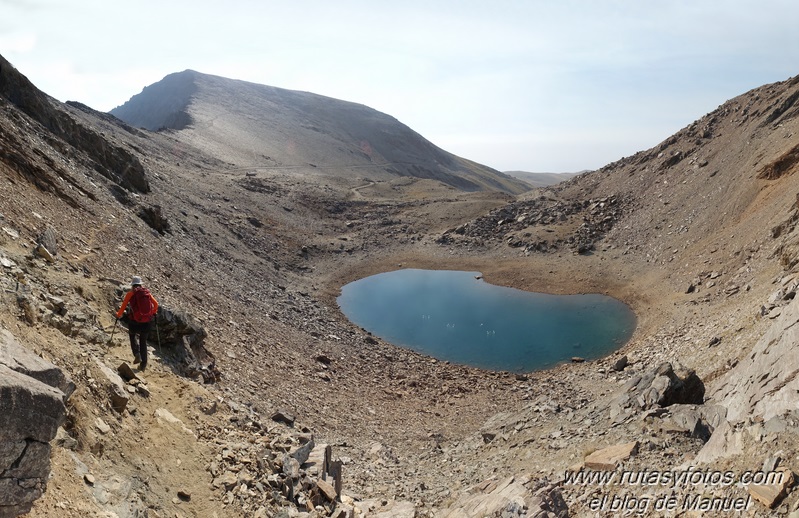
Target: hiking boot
136 359
142 366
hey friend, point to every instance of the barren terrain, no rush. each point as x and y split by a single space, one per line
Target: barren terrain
685 233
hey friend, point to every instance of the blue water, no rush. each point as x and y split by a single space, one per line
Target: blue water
451 315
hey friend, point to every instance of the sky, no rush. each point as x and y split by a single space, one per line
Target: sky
532 85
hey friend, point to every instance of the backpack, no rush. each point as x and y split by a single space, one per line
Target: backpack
141 305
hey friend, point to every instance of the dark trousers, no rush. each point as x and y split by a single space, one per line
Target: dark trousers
139 330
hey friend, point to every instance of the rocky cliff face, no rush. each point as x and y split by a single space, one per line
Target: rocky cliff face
115 163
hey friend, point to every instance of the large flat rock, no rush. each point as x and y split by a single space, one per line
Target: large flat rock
20 359
29 409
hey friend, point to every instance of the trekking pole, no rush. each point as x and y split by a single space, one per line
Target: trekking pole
158 335
112 331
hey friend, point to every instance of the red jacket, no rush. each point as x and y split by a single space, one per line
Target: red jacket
126 301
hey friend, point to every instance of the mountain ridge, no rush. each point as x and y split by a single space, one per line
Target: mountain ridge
266 126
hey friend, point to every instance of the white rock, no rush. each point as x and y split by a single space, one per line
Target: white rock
102 426
164 415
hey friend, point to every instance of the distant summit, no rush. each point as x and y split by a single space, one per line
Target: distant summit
257 126
542 179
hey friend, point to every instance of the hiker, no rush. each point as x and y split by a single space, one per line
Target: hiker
143 308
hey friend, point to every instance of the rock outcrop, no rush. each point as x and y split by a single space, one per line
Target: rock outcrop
32 407
762 386
765 382
181 332
660 388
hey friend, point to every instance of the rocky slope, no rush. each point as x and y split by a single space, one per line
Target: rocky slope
697 235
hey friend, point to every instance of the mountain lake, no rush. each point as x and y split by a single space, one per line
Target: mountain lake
457 317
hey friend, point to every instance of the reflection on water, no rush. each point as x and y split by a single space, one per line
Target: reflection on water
455 316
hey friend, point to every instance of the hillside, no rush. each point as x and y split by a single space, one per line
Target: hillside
697 234
259 127
541 179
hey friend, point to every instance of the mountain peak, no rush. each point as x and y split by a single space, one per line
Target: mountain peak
259 126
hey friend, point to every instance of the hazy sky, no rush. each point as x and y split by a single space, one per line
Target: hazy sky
535 85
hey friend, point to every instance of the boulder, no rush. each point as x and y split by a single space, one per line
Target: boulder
665 386
326 490
227 480
126 371
175 325
47 239
31 412
282 416
116 387
29 409
18 358
102 426
45 254
697 421
180 332
64 440
303 452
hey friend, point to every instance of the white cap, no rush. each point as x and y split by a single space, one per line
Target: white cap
135 280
